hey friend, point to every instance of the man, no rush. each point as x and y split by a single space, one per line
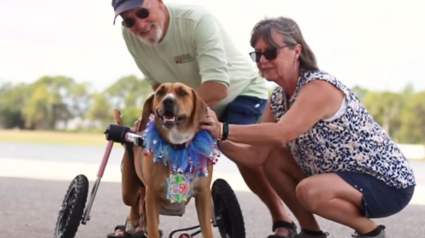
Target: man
180 43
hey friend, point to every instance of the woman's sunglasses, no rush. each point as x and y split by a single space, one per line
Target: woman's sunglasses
142 13
269 54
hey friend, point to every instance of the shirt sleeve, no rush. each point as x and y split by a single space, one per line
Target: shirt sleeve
211 54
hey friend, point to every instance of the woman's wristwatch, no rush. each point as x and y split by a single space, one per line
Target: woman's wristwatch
224 131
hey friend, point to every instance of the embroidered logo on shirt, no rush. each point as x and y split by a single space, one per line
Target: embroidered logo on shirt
180 59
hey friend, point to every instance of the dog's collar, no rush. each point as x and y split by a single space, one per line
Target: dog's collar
190 157
180 146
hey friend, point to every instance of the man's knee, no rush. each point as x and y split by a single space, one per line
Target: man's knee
250 171
244 110
276 160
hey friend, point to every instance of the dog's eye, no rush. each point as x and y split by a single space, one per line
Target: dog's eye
161 91
181 92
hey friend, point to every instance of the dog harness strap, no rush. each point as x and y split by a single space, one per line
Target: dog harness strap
182 145
179 146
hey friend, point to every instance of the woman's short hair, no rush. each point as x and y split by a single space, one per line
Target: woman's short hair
292 36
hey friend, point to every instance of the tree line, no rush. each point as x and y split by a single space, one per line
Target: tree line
55 102
52 101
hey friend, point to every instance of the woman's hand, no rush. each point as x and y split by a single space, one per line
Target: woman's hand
212 124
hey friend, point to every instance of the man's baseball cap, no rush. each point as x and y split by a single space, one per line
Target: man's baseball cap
121 6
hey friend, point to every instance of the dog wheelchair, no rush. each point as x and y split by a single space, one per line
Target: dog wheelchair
226 212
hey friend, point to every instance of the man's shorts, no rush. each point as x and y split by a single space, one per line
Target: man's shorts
244 110
379 199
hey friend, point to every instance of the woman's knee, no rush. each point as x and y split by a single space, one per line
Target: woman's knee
307 193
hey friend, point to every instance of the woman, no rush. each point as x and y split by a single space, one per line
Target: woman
322 151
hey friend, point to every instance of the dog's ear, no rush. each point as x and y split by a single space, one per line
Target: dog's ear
199 109
146 112
117 116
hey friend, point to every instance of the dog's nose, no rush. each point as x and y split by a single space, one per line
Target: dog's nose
169 105
168 102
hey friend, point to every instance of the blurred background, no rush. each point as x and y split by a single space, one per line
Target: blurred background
64 65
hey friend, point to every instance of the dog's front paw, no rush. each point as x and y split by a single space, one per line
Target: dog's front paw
131 226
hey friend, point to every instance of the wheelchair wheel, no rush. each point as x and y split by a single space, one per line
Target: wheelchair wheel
227 211
72 208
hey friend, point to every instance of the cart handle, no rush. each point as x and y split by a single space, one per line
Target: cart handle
122 134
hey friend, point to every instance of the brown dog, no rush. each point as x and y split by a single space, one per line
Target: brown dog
151 182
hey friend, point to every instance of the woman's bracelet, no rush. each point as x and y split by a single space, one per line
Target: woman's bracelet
224 130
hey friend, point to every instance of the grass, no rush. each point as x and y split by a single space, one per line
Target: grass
53 137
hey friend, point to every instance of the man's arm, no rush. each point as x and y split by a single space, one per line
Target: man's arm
212 92
212 61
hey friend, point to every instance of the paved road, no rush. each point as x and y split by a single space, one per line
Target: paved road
28 208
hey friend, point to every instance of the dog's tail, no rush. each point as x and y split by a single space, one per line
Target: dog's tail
117 116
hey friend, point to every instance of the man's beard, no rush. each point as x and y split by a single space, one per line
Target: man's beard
150 39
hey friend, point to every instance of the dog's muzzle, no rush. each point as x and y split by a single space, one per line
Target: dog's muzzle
169 107
168 113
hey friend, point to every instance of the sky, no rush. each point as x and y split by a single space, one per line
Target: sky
376 44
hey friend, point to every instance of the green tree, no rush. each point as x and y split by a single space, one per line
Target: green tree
12 99
46 104
79 99
100 111
359 92
128 95
386 108
413 119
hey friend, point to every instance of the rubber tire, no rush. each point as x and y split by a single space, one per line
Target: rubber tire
226 204
76 196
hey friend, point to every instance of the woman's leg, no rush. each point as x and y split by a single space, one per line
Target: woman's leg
284 174
352 199
329 196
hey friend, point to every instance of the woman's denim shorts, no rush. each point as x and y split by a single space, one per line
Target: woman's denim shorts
379 199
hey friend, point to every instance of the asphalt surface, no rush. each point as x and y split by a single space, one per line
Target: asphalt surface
29 208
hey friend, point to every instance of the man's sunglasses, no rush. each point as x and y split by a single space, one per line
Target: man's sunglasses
142 13
269 54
